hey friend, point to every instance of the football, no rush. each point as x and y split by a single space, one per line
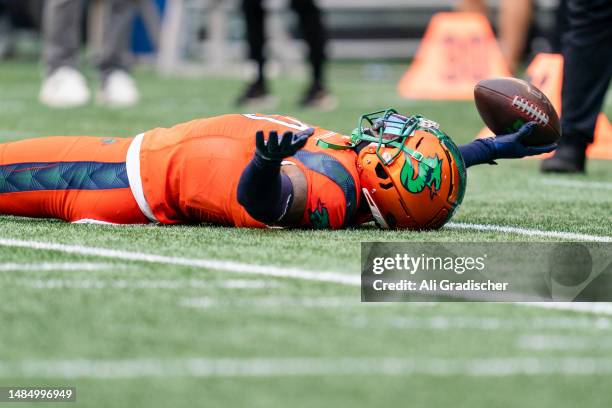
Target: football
505 104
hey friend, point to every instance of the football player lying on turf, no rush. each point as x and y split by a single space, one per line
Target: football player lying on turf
402 172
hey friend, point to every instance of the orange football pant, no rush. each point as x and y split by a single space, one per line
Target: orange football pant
69 178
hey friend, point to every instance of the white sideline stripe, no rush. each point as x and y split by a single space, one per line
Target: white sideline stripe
208 302
576 183
602 308
563 343
57 266
483 323
299 367
249 284
227 266
529 232
145 284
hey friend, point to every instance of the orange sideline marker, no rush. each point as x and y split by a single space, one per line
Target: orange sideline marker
457 51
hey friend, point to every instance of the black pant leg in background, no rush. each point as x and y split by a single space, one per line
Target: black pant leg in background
559 27
314 33
254 17
587 52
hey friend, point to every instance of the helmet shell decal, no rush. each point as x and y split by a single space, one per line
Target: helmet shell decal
429 174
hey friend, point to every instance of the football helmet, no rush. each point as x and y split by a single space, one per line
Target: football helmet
412 174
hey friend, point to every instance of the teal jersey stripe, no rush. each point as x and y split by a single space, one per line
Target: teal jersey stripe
83 175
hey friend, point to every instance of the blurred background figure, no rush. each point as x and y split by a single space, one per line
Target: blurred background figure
315 35
64 85
17 15
4 31
514 19
587 70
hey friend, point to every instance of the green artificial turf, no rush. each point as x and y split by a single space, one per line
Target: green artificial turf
117 314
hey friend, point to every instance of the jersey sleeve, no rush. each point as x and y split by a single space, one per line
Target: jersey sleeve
325 207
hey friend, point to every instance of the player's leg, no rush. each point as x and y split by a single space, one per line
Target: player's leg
514 20
61 33
254 15
315 35
587 46
112 53
69 178
475 6
64 85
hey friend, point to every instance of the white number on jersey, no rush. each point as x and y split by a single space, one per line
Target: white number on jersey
285 121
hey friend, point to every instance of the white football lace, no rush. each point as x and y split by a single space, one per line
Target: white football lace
530 109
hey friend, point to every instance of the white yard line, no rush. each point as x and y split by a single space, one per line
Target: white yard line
302 274
601 185
248 284
483 323
298 367
529 232
546 342
226 266
57 266
601 308
302 302
89 284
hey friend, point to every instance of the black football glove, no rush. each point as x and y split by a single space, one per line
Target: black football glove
276 149
510 146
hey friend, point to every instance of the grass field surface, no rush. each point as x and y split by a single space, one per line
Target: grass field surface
184 316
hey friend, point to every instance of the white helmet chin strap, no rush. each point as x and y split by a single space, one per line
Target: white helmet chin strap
374 209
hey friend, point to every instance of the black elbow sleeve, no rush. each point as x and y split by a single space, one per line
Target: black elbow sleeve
264 192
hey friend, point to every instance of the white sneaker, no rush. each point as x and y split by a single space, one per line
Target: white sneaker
119 90
64 88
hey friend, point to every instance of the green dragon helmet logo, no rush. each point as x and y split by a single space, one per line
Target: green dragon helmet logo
429 175
319 217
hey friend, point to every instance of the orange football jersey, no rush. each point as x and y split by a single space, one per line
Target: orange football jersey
190 172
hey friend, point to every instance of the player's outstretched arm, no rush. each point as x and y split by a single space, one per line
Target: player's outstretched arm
508 146
266 192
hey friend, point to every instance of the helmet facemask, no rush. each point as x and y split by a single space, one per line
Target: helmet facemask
385 128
